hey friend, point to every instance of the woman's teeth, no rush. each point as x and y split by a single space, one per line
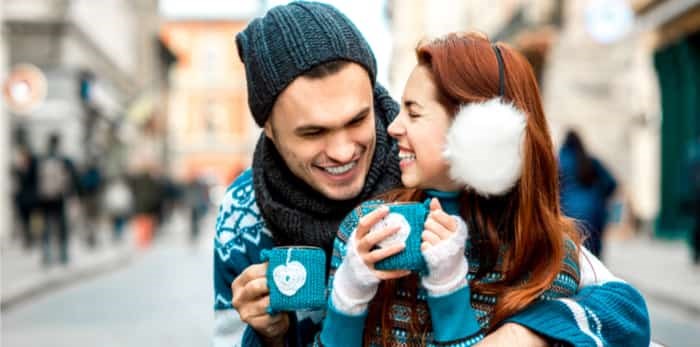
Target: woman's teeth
407 156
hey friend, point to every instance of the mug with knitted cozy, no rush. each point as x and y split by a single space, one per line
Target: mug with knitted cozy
296 277
410 216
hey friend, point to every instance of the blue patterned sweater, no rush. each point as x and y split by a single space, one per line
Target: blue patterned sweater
456 319
606 311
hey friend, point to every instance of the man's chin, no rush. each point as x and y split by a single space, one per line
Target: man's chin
342 193
335 189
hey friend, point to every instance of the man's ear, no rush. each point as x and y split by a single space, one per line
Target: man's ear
269 131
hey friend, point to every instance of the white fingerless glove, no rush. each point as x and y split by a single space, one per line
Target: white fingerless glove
354 284
447 264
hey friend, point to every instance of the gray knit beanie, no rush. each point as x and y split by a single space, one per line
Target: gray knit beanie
291 39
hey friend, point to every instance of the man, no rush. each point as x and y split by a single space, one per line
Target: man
24 165
57 178
324 148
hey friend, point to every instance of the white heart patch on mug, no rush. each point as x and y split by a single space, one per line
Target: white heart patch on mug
393 219
289 277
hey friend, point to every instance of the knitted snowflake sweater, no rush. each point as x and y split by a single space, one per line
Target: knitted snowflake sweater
455 319
606 311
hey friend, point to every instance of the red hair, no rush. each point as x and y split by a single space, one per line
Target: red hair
525 227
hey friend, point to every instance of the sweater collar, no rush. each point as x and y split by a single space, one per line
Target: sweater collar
448 200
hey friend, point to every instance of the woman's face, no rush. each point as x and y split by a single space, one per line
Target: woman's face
420 130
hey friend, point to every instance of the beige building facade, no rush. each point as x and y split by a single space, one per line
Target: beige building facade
5 133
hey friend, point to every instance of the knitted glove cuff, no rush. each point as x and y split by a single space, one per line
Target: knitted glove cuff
447 264
354 283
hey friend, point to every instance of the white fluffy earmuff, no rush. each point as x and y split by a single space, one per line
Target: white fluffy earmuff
484 146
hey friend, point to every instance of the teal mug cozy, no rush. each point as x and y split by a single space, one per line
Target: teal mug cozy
411 218
296 278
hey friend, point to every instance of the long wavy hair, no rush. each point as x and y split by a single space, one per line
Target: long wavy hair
525 227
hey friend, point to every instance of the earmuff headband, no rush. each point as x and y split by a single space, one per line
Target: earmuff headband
501 71
483 143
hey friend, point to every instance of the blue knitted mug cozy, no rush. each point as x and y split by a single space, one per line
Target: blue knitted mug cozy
411 217
296 277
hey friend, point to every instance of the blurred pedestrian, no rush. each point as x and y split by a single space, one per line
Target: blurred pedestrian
90 189
197 200
171 196
24 164
148 196
57 179
586 187
691 203
118 202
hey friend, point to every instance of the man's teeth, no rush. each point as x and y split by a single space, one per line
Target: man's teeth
410 156
339 170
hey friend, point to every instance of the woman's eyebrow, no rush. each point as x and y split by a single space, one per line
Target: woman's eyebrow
410 103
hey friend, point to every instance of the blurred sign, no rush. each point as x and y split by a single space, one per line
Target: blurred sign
608 20
142 109
24 88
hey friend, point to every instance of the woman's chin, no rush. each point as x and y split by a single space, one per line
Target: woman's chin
409 181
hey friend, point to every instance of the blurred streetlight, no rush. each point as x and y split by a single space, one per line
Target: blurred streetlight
24 89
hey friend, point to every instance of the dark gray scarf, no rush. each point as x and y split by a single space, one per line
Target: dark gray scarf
294 212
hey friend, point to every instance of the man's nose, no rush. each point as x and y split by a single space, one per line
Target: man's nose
341 148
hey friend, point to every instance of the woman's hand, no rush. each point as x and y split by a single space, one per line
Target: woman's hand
356 280
365 241
444 240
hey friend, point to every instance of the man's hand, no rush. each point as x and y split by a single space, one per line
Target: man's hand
251 298
512 334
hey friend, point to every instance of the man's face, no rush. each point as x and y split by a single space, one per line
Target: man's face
324 129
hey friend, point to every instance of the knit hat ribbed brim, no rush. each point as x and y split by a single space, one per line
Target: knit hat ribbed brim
290 40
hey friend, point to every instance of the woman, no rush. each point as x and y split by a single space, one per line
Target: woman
472 137
586 186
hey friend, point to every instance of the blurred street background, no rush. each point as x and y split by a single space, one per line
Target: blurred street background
137 110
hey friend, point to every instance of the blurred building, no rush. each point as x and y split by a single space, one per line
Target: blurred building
95 57
674 45
599 79
5 133
210 130
414 20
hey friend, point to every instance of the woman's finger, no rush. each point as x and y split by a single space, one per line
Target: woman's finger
380 254
367 222
391 275
430 237
437 228
435 205
378 236
444 219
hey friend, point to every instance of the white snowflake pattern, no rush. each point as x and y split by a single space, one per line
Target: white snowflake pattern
239 220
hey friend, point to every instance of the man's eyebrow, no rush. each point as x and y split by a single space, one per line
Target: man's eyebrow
315 128
359 116
308 129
